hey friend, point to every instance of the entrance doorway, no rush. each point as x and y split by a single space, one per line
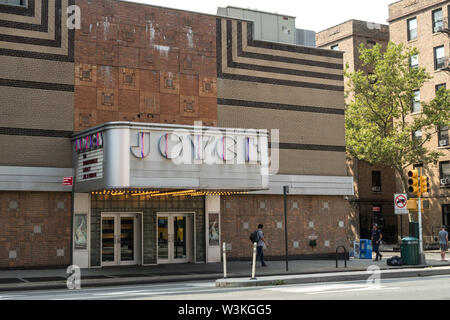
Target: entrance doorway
446 215
120 233
175 237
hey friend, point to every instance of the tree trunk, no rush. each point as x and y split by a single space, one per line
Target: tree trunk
403 179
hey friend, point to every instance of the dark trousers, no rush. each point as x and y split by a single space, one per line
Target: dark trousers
260 254
376 248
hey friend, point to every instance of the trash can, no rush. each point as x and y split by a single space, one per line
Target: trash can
365 249
410 250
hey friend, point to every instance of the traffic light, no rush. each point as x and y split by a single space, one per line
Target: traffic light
413 182
424 184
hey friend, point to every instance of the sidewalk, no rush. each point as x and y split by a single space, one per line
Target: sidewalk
310 269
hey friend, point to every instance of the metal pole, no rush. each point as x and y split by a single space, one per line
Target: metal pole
419 208
254 262
72 215
224 253
285 192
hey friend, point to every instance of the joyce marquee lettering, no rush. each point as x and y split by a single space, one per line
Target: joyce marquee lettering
202 148
90 142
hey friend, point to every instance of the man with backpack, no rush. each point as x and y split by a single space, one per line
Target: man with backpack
258 237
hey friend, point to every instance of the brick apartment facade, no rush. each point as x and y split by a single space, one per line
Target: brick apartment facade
424 24
153 65
374 185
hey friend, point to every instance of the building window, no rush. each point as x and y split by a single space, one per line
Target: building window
415 105
376 181
439 58
414 61
443 136
21 3
440 86
417 135
438 21
444 173
335 47
412 29
371 43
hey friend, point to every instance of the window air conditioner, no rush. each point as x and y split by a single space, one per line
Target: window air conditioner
443 142
445 181
376 189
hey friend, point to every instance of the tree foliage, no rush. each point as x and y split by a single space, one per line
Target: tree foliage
379 123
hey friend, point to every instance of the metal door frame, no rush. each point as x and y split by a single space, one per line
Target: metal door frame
117 233
170 244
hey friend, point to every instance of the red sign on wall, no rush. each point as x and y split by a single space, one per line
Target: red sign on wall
67 181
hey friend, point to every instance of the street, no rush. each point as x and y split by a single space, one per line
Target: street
427 288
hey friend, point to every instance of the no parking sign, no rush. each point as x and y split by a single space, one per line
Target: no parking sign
400 201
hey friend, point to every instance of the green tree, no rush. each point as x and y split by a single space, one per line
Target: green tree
378 119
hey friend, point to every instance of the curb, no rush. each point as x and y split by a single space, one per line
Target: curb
53 285
350 276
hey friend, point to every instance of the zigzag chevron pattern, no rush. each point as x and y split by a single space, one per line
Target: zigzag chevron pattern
37 31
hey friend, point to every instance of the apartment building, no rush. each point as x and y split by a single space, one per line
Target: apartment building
424 24
374 185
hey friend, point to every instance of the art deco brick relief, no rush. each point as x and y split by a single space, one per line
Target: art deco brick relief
107 99
85 74
129 79
169 83
189 106
207 87
149 103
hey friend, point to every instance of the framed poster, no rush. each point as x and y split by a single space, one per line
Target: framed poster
213 219
80 233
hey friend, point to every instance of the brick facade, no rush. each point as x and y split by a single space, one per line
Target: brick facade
348 36
144 64
427 40
34 229
326 218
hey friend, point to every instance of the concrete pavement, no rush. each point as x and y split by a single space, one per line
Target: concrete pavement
11 280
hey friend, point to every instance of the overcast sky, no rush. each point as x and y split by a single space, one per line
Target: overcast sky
314 15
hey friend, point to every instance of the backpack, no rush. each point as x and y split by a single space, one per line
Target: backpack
254 236
394 261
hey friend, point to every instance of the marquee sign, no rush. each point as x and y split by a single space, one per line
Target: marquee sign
90 142
156 156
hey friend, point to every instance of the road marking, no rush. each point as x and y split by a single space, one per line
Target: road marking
10 297
331 288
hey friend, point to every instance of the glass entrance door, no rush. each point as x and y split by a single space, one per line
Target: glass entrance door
118 239
172 238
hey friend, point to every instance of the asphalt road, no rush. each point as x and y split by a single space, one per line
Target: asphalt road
437 287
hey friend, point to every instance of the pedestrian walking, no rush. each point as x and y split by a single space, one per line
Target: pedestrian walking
260 245
443 242
377 236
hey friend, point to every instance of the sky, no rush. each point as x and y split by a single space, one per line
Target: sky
316 15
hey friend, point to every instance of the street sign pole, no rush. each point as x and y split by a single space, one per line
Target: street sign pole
419 208
285 192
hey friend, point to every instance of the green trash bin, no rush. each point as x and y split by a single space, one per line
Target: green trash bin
410 250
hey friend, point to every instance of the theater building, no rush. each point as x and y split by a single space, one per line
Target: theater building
181 131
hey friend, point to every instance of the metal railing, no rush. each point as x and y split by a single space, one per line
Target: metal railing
345 255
